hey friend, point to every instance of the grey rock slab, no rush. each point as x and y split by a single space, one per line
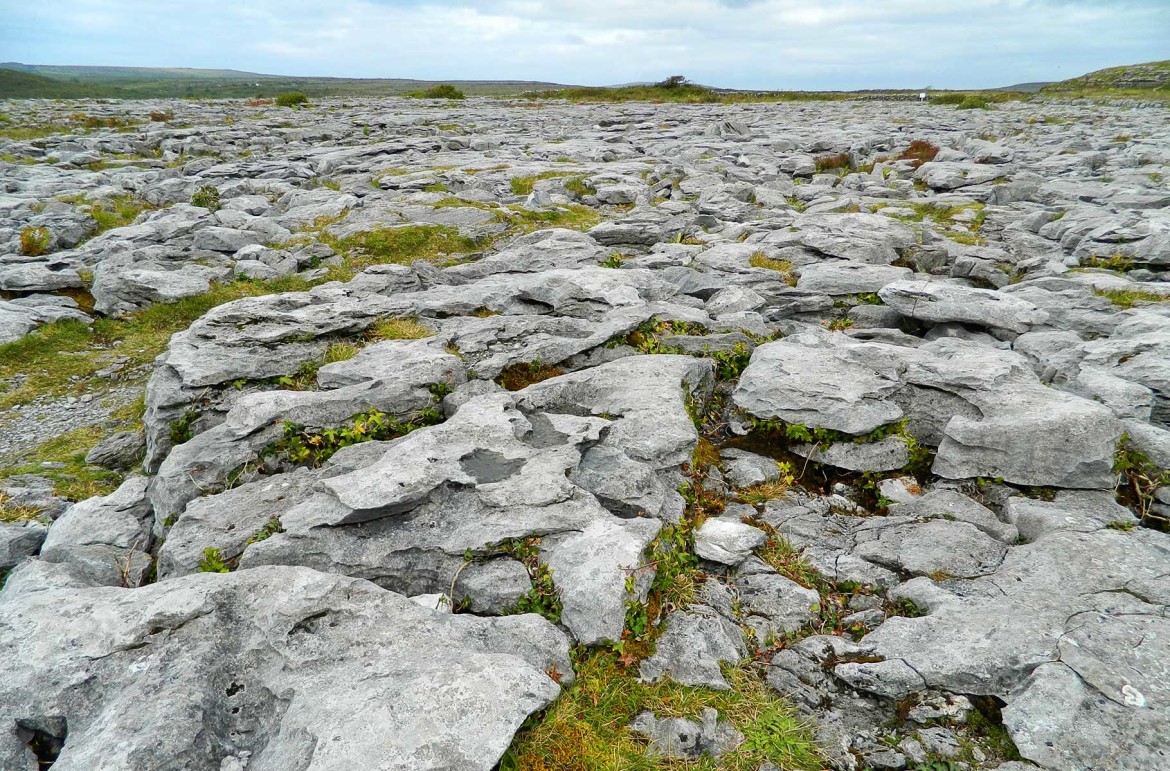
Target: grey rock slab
743 469
589 569
204 462
107 538
288 667
817 385
939 302
989 638
623 485
727 541
692 647
18 319
122 289
551 249
865 238
845 278
649 394
1083 511
120 450
492 588
888 454
775 605
682 738
950 175
228 521
937 546
229 240
1032 435
891 679
1106 706
19 541
487 475
953 505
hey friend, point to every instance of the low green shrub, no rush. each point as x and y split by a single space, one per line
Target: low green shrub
291 99
34 241
441 91
206 196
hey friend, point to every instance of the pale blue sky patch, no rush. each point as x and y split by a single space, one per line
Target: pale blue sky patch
796 44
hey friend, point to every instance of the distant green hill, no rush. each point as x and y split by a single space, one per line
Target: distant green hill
53 81
23 85
1150 76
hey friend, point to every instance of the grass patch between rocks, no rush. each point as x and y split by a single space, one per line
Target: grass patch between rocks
72 477
401 246
1128 298
783 267
586 729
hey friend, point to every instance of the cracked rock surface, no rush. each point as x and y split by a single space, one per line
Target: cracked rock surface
906 423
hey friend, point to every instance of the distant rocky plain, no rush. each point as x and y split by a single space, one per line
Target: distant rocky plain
892 380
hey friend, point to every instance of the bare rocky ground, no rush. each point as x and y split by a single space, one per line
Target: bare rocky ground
864 401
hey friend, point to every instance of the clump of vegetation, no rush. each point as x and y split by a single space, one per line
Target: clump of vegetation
305 447
976 100
182 429
904 607
570 216
783 267
34 241
832 162
587 728
525 185
162 117
398 329
839 325
919 152
304 379
291 99
403 245
542 598
769 491
579 187
12 512
206 196
271 528
441 91
118 211
1138 479
213 562
730 363
521 375
1128 298
1118 262
340 352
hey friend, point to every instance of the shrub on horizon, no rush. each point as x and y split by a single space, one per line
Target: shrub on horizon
291 99
441 91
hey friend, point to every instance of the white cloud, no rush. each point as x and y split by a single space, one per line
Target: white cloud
744 43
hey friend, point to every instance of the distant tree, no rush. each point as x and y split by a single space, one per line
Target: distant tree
674 81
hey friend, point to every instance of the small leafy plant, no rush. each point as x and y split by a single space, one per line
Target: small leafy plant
271 528
206 196
213 562
305 447
542 598
34 241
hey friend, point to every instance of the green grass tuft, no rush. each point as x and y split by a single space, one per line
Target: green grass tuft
586 729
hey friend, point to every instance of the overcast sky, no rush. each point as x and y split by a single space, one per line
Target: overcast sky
798 44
